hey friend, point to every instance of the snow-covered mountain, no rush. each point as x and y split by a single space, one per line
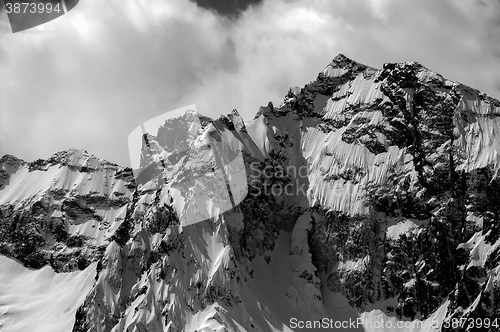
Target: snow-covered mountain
368 197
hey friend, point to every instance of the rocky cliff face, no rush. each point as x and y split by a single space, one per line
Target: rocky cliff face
367 194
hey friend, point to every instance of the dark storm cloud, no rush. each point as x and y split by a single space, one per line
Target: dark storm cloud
230 8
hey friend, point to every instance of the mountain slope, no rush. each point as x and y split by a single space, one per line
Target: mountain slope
368 196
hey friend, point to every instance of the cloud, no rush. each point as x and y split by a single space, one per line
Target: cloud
106 67
90 88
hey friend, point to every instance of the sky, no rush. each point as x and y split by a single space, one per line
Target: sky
88 78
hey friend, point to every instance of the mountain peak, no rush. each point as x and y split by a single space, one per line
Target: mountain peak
341 58
78 158
343 62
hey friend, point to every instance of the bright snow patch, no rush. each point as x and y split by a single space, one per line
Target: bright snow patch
41 300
